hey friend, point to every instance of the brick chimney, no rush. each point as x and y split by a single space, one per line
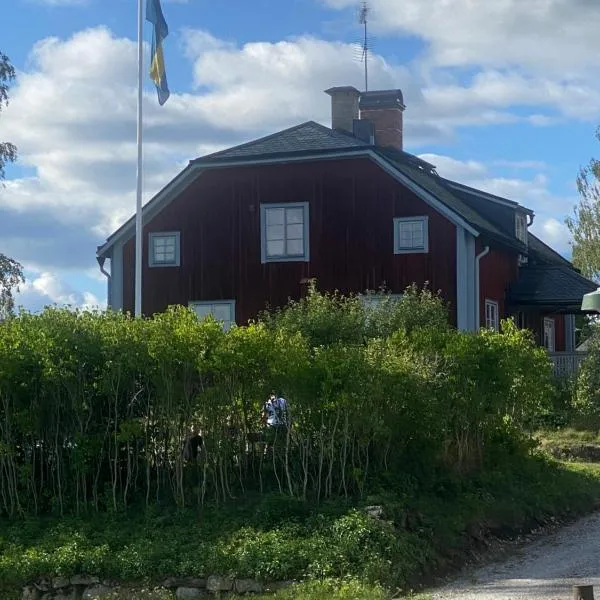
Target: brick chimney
384 109
344 107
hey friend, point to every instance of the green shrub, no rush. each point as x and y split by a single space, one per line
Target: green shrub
97 407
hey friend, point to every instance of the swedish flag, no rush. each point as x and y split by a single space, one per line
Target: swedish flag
160 31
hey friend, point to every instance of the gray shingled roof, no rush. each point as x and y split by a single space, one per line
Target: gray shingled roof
539 252
307 137
550 285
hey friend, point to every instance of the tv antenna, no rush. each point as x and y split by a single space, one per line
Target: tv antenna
363 18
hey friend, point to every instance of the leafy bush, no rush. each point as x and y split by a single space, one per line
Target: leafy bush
97 407
586 404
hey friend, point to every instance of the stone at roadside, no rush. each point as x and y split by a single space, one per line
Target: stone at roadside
97 592
30 592
216 583
44 585
247 586
84 580
58 583
190 582
189 593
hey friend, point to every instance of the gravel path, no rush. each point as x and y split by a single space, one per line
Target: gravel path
545 569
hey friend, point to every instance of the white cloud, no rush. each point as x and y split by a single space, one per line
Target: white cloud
47 288
549 36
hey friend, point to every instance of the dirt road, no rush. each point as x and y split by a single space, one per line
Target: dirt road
545 569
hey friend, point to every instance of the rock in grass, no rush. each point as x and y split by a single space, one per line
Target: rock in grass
30 592
216 583
247 586
58 583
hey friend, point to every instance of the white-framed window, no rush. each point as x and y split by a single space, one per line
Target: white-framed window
221 310
549 334
411 235
492 317
164 249
284 232
521 227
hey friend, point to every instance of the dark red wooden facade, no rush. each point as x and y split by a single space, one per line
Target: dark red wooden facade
497 270
352 206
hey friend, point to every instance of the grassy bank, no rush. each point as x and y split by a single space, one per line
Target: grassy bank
274 538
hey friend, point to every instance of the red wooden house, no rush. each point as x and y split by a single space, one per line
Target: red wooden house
248 226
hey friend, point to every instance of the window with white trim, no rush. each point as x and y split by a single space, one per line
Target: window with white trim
521 227
164 249
221 310
411 235
492 317
284 232
549 334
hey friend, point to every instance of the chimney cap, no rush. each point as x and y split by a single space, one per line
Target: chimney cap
348 89
381 99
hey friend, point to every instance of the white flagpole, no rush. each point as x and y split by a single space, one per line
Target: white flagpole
138 203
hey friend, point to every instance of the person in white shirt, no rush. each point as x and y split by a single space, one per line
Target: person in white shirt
275 418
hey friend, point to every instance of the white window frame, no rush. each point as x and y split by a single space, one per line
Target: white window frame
305 256
161 234
549 326
212 304
492 321
521 227
398 222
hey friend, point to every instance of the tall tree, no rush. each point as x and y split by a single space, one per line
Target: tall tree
11 272
584 224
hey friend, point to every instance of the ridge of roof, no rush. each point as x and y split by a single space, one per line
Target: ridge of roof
306 136
467 189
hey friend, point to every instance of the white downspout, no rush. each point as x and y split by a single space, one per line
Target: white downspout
478 258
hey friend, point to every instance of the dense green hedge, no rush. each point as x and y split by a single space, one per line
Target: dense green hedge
95 407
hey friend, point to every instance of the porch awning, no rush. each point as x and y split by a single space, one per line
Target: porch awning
555 287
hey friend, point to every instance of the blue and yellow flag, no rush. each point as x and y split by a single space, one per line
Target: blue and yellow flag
160 31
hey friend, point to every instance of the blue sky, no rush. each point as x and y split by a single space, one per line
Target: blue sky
500 95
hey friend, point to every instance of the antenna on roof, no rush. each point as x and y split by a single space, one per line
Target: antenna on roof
366 44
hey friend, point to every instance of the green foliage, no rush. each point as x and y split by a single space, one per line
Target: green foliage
586 404
11 277
97 407
584 224
331 589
